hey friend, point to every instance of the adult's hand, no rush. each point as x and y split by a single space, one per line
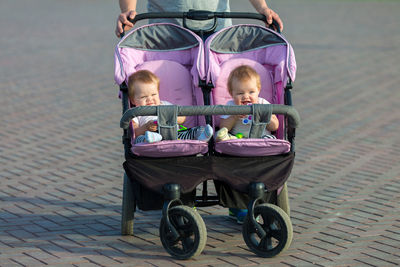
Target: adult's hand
262 8
123 20
271 15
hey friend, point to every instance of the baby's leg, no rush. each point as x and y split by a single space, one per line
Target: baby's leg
202 133
188 134
148 137
223 135
139 139
268 136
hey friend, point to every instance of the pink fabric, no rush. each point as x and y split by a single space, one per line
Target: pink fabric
175 84
252 147
220 93
170 148
272 58
278 62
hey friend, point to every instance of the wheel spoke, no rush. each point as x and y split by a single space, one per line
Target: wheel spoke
184 227
171 241
265 244
187 244
268 220
277 234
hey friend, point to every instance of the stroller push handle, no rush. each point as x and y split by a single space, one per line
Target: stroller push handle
204 15
291 112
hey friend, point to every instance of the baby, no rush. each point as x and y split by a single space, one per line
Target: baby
143 90
244 86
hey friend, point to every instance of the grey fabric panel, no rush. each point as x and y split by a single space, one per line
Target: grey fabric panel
261 117
167 121
244 38
160 38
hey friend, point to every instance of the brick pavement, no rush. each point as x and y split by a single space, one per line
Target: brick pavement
61 155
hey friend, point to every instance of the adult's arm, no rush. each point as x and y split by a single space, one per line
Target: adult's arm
128 10
262 8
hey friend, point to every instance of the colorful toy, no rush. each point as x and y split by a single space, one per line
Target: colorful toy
246 120
181 127
239 135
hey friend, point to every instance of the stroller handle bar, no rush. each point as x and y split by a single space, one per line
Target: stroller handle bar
204 15
289 111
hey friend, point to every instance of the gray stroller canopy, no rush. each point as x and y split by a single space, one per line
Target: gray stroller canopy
244 38
160 38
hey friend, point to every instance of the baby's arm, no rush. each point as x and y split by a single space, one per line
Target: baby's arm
273 124
228 122
181 119
140 130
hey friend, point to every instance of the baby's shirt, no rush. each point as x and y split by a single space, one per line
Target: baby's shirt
243 125
142 120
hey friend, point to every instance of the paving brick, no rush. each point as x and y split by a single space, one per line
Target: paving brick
61 154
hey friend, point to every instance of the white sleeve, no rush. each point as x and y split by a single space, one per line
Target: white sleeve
262 101
164 102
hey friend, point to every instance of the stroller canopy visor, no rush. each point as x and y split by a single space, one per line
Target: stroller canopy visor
244 38
160 38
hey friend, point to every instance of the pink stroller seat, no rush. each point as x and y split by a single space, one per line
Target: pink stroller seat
175 87
271 63
178 67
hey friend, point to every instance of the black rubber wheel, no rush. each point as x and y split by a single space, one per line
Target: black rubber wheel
278 227
128 207
191 229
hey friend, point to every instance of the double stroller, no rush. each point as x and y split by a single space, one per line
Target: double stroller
193 76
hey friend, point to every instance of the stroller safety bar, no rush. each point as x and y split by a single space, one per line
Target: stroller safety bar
289 111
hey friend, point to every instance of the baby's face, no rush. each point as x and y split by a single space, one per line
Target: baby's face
146 94
245 92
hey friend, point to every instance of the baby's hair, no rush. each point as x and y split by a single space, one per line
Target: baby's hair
243 73
143 76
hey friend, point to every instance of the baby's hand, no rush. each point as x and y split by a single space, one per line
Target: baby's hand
151 126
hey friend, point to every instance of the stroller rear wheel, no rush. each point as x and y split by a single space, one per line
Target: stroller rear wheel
277 226
191 229
128 207
283 200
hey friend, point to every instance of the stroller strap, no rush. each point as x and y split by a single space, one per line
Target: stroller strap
167 121
261 117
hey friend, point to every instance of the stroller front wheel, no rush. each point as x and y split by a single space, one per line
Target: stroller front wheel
277 226
191 229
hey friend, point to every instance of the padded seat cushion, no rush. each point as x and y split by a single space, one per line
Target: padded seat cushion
220 93
176 84
170 148
252 147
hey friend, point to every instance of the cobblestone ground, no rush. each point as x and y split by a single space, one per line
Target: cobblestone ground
61 152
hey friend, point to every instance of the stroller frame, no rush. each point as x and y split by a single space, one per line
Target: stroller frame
170 232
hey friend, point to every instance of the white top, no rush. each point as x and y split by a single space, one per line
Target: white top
142 120
186 5
243 125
